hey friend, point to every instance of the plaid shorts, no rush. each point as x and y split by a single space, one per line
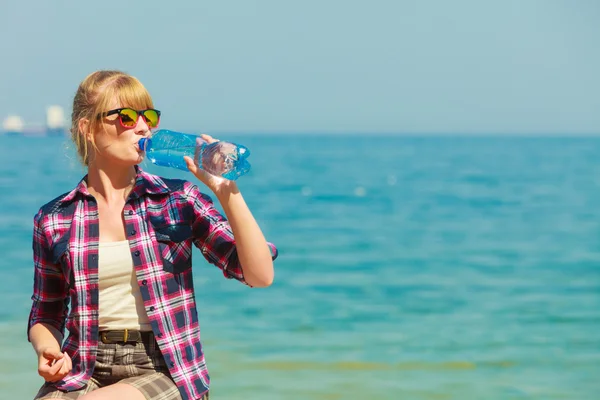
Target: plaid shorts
140 365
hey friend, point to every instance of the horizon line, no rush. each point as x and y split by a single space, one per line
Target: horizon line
53 133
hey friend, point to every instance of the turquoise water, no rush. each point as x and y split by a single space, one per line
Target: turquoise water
413 268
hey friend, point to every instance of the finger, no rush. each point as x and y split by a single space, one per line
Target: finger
43 371
47 373
190 164
69 362
208 138
56 377
64 370
45 362
56 367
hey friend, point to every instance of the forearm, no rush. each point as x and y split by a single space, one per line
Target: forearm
252 248
44 336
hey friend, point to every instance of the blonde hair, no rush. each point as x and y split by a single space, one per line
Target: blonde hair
94 96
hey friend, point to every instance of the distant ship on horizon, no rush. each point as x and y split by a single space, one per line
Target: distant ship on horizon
13 125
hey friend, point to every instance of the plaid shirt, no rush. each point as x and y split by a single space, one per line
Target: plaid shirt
163 217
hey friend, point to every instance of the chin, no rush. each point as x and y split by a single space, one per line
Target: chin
133 159
139 160
129 162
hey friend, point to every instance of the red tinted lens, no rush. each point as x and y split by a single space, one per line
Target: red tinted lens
152 118
128 117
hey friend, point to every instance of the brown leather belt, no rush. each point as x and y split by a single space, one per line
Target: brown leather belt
125 336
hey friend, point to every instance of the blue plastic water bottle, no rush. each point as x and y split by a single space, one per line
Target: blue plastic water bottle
166 148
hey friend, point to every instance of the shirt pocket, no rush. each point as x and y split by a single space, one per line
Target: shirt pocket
60 256
175 245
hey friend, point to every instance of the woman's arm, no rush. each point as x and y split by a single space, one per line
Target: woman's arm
247 246
44 336
252 248
53 365
49 308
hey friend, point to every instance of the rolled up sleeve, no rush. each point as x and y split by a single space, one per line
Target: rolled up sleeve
214 237
50 301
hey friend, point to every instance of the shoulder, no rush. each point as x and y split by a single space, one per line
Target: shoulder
63 204
52 216
178 187
55 205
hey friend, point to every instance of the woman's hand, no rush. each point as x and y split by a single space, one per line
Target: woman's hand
53 365
218 184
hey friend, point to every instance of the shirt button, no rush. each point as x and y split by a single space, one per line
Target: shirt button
137 253
152 308
132 232
159 335
172 365
144 282
130 212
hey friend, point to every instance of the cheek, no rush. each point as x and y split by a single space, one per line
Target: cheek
102 140
108 139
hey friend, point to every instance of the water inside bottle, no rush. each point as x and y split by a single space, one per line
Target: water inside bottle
171 157
223 159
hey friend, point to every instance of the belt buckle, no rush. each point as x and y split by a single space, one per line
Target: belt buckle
125 335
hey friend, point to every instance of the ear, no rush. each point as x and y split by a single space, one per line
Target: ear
84 128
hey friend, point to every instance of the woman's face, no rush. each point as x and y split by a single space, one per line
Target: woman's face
117 144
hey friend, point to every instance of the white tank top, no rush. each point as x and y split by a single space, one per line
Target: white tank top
120 300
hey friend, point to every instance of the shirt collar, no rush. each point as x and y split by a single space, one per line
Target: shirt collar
145 183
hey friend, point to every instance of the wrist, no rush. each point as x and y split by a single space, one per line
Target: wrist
44 337
46 347
225 190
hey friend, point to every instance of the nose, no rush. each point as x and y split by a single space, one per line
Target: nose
141 128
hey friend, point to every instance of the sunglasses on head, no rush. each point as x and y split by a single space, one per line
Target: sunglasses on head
128 117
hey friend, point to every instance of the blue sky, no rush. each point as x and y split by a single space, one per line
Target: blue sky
318 66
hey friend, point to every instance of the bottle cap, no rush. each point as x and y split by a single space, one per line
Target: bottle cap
144 143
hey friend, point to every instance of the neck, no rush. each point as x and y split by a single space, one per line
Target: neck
112 183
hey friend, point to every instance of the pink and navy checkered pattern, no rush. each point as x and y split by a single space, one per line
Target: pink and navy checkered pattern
163 217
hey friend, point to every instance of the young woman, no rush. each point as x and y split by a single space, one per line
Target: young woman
113 262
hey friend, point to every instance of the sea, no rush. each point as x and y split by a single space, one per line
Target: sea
410 267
